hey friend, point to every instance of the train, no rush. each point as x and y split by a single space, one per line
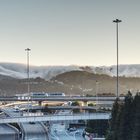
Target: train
44 95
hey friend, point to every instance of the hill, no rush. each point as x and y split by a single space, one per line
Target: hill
73 82
79 80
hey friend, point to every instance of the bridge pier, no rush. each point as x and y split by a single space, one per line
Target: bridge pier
85 103
39 103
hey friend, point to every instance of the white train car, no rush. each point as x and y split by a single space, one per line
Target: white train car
39 95
56 94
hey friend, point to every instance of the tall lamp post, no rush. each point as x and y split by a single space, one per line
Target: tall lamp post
28 75
96 94
117 21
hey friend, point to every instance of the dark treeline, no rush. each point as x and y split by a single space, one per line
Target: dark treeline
125 122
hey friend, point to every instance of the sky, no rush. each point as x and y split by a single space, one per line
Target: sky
69 32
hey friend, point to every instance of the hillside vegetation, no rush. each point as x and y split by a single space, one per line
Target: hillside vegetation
71 83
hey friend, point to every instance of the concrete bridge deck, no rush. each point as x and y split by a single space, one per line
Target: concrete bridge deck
64 98
84 116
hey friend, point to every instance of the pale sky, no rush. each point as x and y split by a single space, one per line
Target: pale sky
66 32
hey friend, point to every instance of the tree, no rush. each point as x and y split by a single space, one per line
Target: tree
46 109
91 105
125 122
126 119
136 120
114 122
76 103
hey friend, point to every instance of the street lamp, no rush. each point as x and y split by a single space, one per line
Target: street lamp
117 21
97 83
28 75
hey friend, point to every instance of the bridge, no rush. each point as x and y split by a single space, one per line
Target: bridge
85 116
87 108
61 107
64 98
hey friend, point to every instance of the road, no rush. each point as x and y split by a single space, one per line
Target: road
8 133
59 132
34 131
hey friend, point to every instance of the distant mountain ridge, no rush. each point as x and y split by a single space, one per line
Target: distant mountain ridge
19 71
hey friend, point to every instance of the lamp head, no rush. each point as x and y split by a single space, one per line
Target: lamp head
117 21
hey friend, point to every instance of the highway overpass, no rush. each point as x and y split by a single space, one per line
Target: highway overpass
61 107
85 116
64 98
65 108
